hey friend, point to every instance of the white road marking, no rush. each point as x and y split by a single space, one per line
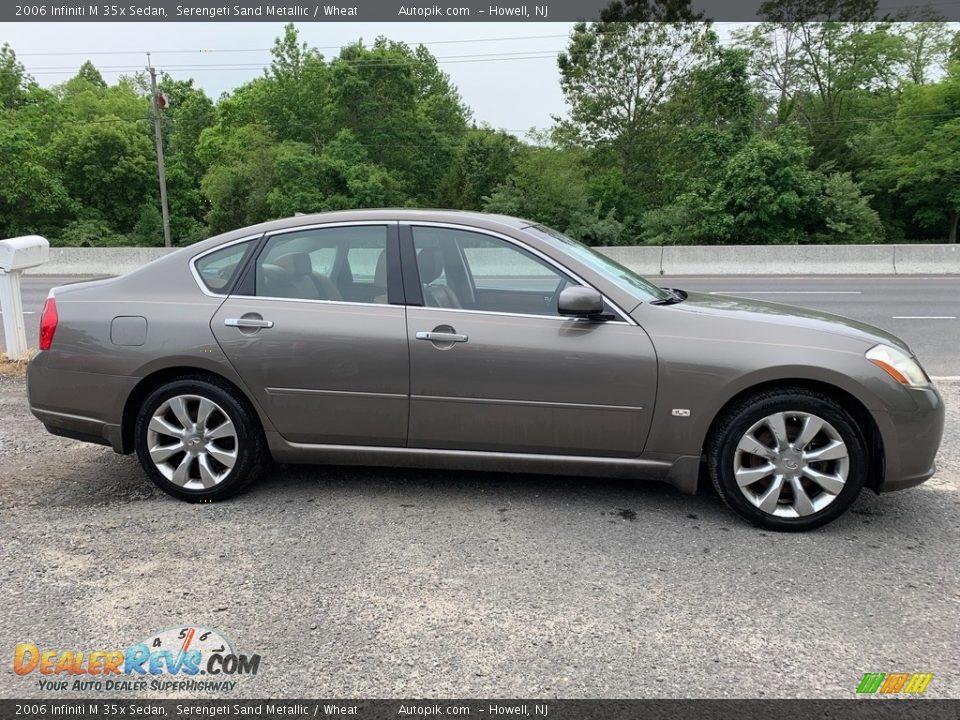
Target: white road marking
25 312
924 317
786 292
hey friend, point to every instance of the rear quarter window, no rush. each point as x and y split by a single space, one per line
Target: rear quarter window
218 269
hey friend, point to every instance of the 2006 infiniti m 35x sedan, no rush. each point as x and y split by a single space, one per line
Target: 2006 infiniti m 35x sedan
462 340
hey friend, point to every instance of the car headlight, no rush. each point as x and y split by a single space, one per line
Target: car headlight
898 365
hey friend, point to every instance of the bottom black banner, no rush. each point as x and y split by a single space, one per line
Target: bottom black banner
893 709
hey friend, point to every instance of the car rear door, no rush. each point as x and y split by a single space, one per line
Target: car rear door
317 330
493 366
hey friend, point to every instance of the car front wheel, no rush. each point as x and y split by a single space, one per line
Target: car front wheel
198 441
788 460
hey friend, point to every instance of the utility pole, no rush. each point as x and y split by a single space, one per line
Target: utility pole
158 137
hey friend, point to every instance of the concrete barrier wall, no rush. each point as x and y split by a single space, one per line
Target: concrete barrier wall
97 261
926 259
778 260
647 260
791 259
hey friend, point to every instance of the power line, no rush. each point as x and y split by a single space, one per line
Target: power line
101 121
357 61
49 70
320 47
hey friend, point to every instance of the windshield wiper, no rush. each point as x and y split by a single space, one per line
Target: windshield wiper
676 296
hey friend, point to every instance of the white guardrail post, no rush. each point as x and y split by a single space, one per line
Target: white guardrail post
16 255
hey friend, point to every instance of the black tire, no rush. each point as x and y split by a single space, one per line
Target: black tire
738 419
249 443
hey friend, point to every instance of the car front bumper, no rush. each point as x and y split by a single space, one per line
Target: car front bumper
911 440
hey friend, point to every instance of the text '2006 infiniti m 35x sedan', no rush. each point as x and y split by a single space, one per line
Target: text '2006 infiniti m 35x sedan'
462 340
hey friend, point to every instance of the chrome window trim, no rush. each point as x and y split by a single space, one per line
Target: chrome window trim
338 223
196 273
564 318
624 316
318 302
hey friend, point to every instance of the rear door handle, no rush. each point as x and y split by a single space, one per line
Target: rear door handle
248 323
441 336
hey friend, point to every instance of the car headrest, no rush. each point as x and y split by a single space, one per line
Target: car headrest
380 274
430 262
296 264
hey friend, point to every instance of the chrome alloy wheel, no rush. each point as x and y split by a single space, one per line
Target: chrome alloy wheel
192 442
791 464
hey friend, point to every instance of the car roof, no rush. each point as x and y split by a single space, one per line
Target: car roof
478 219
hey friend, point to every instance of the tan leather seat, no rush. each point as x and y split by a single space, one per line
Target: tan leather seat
292 276
430 263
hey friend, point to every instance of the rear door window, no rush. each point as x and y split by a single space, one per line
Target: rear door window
334 264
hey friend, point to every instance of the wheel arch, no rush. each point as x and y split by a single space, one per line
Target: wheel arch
847 400
155 379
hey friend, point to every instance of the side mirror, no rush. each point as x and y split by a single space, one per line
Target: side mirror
580 301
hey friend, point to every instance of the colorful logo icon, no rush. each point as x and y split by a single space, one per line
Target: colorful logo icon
893 683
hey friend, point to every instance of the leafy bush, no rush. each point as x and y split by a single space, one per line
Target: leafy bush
89 233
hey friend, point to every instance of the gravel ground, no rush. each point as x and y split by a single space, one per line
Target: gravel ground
389 583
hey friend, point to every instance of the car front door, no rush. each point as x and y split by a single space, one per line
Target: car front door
494 367
317 331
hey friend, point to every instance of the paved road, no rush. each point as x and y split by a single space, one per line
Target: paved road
924 311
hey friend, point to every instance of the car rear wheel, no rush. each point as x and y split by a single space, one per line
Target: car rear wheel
788 460
199 441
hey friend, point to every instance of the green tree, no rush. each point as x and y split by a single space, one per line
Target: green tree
189 113
913 160
767 194
649 11
550 186
89 75
32 198
845 214
239 177
14 80
712 115
339 178
103 149
484 159
823 75
403 109
926 49
615 78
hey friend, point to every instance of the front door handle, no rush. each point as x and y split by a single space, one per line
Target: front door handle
249 323
441 337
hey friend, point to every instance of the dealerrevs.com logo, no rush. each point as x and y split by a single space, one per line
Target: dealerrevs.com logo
176 659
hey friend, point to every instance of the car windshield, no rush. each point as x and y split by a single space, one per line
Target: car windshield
624 278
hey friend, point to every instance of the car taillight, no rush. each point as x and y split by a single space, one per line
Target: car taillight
48 323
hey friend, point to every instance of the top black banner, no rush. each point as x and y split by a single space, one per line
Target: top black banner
477 10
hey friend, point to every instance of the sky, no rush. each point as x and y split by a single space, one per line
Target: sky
505 72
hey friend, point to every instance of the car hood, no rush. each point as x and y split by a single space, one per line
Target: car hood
775 313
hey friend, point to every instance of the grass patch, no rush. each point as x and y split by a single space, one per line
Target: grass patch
14 368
